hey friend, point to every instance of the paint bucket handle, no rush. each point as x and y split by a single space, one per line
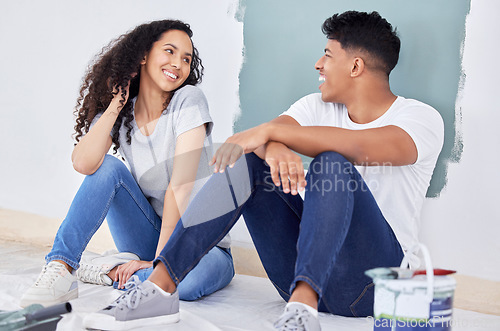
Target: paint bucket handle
428 267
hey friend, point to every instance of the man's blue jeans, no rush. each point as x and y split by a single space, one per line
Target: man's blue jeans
112 193
328 240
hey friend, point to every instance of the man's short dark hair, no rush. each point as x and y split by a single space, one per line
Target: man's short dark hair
367 32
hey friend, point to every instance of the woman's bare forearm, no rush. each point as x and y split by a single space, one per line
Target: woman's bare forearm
89 153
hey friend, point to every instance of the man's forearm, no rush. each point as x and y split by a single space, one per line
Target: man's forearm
311 141
368 147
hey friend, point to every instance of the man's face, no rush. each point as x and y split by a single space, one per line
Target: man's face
335 72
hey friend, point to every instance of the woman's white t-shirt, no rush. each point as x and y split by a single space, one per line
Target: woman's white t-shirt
150 159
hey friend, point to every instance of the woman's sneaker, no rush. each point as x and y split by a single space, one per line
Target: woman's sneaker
54 285
95 267
296 317
143 305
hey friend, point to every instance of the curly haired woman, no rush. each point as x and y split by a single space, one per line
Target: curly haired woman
139 96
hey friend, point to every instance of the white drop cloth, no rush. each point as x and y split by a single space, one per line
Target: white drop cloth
247 303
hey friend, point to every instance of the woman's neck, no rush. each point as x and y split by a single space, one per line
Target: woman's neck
150 103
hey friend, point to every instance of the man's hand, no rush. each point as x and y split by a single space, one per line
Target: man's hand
238 144
287 165
125 271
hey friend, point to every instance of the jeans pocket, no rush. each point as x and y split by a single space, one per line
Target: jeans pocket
363 305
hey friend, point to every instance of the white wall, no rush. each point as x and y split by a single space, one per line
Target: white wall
45 49
462 226
46 46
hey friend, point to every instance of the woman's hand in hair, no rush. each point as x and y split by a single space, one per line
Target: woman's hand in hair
121 94
125 271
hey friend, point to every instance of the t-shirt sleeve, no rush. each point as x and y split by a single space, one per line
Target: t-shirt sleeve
190 110
425 126
305 111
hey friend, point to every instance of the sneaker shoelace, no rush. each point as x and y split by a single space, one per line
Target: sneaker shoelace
49 274
292 320
132 298
90 273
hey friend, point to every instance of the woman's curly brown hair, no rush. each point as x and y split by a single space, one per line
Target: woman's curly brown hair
115 66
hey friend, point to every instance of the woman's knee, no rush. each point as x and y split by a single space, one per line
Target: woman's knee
214 272
193 289
190 290
111 167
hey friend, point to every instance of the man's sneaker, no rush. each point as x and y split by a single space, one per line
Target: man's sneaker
95 267
54 285
296 317
143 305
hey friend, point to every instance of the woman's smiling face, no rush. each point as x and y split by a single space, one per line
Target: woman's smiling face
168 64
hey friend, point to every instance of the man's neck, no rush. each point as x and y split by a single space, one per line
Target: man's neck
368 104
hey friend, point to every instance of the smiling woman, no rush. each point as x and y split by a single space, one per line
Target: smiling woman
117 68
139 96
167 64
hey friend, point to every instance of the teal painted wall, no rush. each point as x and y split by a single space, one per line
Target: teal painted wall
283 41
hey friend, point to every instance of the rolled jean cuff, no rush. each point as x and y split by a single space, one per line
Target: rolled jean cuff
308 281
72 264
169 269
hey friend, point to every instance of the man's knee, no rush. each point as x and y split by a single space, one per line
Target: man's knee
252 159
330 163
331 172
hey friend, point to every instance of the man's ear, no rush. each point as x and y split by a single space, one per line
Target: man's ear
358 66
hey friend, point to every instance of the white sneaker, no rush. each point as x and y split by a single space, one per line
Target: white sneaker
296 317
54 285
95 267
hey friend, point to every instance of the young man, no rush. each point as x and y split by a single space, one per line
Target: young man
374 154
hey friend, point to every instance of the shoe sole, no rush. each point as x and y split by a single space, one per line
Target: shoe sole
107 322
66 297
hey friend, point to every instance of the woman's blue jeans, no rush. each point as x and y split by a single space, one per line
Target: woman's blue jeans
112 193
328 239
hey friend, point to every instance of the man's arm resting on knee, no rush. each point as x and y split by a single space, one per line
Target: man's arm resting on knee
283 120
389 144
285 165
378 146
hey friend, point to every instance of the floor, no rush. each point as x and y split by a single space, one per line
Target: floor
248 303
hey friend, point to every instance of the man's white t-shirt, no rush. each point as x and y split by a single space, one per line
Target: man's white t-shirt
399 190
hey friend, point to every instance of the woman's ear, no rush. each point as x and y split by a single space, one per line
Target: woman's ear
358 66
143 62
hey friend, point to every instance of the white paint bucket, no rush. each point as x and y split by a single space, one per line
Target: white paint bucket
422 302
